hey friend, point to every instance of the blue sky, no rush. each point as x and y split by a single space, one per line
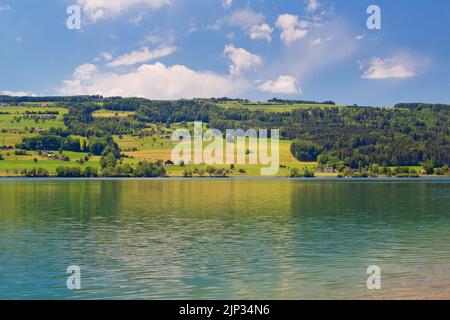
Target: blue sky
166 49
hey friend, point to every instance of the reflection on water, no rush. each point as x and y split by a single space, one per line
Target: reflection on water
177 239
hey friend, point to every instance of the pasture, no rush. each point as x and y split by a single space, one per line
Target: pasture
271 107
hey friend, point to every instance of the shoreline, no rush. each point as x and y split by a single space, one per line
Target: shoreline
331 179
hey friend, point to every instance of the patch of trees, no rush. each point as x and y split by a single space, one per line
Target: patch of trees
306 150
62 99
52 142
41 142
419 106
142 170
290 102
306 173
76 172
80 121
47 112
35 173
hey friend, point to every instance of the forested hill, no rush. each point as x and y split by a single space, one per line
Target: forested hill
436 106
408 134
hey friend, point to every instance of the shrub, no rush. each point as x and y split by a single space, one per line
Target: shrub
35 173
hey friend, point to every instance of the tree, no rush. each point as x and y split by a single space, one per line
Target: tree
306 150
428 167
210 170
187 173
295 173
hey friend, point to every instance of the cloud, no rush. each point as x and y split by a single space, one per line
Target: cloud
360 37
155 81
18 93
292 28
136 20
303 60
85 71
397 67
283 84
241 60
312 5
160 38
316 41
251 22
227 3
245 18
263 31
141 56
5 7
107 56
101 9
320 40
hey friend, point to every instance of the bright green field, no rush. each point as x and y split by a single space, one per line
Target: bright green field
15 121
10 138
13 162
271 107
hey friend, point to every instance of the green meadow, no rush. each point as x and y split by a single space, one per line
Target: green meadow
16 119
271 107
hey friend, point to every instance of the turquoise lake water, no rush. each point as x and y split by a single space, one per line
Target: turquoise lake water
225 239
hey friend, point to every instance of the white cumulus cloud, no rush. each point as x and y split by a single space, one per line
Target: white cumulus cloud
155 81
141 56
262 31
252 23
227 3
102 9
18 93
396 67
283 84
312 5
245 18
292 28
241 59
85 71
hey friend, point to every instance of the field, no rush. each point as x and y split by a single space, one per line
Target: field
13 119
271 107
111 114
17 122
156 148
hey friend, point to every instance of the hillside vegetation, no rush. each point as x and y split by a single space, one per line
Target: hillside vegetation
108 134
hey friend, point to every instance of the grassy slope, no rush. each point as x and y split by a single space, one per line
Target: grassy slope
271 107
111 114
151 149
7 121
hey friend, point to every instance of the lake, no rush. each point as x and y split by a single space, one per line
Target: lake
224 239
